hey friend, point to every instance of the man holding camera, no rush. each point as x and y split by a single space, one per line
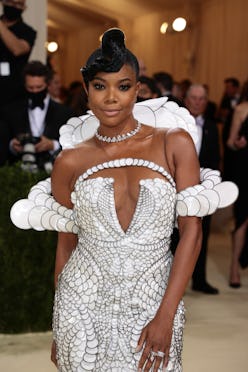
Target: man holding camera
16 42
33 123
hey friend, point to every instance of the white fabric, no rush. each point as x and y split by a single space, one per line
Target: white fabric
199 125
37 122
37 118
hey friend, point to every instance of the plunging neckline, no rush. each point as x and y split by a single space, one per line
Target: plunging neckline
142 184
142 187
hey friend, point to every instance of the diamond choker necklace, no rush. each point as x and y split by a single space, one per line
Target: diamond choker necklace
120 137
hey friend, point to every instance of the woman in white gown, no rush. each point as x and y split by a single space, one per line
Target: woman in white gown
118 295
116 197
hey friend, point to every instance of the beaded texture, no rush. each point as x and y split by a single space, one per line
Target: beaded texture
42 212
120 137
114 281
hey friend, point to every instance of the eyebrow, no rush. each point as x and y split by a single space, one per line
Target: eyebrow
104 80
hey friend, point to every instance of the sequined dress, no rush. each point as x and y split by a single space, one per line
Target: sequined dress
114 280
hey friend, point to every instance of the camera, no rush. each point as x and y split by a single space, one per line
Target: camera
28 155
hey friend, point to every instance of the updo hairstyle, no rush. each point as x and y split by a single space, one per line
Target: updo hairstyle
110 57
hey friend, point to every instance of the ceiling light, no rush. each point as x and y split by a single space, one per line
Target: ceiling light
163 27
52 46
179 24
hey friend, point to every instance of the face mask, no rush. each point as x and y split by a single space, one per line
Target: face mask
11 13
37 98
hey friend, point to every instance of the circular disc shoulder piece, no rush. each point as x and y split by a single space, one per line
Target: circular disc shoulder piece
228 193
19 213
156 112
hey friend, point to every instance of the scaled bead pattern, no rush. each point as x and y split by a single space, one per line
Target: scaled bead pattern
113 283
42 212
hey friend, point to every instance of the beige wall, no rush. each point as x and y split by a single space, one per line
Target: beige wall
166 52
213 47
223 43
35 15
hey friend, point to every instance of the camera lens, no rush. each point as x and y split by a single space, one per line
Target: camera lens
28 156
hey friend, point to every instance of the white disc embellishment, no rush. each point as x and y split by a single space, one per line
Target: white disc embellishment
19 213
35 216
228 193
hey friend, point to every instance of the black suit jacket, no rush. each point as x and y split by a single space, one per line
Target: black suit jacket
16 121
209 155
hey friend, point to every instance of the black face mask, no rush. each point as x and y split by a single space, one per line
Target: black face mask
11 13
37 99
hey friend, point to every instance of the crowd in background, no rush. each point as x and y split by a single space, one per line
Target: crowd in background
35 104
223 136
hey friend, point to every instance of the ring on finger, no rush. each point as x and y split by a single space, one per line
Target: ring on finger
152 355
160 354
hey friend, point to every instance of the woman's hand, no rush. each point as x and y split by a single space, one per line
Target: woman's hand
53 353
156 338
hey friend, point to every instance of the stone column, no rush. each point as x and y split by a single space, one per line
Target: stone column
36 15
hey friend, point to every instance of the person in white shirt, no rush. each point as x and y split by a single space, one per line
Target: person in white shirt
209 156
36 117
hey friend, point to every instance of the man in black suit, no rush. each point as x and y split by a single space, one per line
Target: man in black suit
36 119
209 157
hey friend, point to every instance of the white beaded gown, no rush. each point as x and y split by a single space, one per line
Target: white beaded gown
114 281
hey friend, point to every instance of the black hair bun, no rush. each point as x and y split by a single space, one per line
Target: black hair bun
110 57
112 40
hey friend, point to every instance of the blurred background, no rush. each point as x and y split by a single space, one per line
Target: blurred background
212 46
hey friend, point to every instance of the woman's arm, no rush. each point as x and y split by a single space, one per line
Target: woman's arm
15 45
66 244
62 185
186 169
184 165
235 127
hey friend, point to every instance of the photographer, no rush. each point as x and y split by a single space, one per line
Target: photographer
16 42
35 120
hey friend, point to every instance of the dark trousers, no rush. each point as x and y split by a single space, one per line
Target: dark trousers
199 274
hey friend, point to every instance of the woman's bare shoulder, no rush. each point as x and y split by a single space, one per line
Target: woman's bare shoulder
68 156
171 133
177 137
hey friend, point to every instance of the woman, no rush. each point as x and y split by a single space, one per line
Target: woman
118 295
237 142
115 200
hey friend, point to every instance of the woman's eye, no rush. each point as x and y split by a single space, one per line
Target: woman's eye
98 86
124 87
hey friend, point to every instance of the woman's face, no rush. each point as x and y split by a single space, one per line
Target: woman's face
112 95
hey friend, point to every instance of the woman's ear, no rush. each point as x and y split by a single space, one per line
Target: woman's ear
137 87
85 88
137 90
